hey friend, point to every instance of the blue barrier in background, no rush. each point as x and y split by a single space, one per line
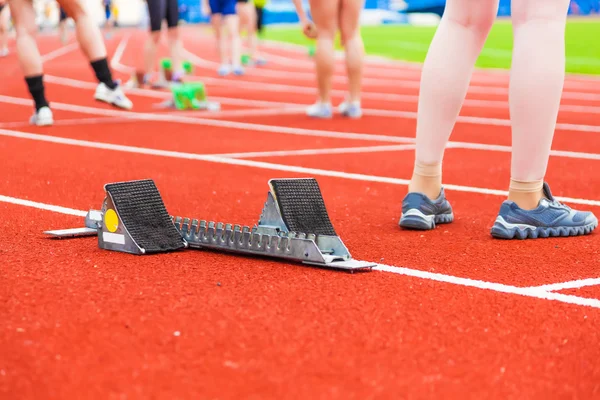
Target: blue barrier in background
387 11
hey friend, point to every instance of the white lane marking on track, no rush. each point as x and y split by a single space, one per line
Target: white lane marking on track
371 112
60 52
576 284
312 152
479 284
259 164
281 129
42 206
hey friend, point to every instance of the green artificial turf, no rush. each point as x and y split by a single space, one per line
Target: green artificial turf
410 43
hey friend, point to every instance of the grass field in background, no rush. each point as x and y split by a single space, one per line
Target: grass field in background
410 43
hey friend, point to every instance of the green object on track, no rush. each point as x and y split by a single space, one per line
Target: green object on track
166 63
188 96
188 67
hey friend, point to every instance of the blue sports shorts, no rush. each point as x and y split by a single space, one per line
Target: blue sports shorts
224 7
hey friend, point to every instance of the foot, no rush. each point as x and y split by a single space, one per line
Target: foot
350 109
421 213
115 96
319 110
259 61
224 70
550 218
238 70
42 117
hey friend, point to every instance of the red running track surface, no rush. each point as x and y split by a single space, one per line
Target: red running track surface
448 314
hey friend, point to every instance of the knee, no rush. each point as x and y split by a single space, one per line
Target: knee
25 29
155 37
75 10
478 16
346 35
326 32
539 10
173 34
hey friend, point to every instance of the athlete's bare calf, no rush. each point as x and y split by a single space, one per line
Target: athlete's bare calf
330 17
90 40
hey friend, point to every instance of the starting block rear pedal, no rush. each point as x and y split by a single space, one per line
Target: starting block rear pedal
293 225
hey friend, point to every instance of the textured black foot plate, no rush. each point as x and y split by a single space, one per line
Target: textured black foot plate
141 210
301 206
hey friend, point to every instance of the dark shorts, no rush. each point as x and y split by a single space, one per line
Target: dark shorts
2 7
63 15
224 7
160 10
242 1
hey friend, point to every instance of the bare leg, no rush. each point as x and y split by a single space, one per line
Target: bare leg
536 83
354 49
325 17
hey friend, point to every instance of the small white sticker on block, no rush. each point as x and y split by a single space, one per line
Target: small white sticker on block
113 238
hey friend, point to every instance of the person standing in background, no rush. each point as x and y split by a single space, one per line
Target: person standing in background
4 25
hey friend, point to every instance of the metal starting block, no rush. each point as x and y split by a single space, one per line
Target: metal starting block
294 225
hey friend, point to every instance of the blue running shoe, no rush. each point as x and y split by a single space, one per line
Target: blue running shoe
422 213
549 219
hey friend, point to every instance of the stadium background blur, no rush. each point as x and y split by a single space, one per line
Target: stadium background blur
131 12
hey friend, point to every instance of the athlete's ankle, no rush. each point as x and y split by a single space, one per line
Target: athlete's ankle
426 179
526 194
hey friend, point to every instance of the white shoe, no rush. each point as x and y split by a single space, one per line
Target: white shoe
350 109
42 117
224 69
320 110
115 96
4 52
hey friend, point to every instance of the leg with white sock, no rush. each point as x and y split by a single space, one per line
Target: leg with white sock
536 84
444 82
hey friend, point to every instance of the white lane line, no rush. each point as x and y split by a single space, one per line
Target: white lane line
60 52
401 114
454 280
295 131
260 164
497 287
569 285
312 152
42 206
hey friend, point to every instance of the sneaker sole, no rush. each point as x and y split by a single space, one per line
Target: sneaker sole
99 98
504 230
416 220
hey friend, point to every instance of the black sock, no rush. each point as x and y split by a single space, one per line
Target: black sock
35 84
103 73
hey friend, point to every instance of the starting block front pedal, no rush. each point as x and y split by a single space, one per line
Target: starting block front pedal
294 225
136 221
